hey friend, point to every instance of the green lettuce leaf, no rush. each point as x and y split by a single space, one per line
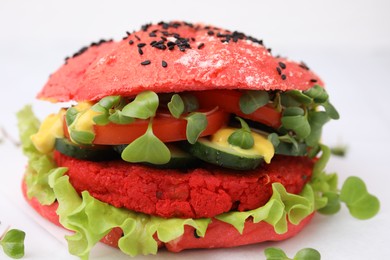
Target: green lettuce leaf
274 212
39 166
92 219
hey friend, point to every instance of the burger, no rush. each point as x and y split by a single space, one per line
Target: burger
180 136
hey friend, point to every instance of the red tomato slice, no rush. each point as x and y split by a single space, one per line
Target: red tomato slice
229 100
165 127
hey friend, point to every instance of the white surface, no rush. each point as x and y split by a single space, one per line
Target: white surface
346 42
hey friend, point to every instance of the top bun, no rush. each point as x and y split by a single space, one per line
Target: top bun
174 57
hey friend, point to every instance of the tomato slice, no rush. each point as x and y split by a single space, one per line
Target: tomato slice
165 127
229 100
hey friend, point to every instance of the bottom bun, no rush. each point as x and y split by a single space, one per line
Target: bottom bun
219 234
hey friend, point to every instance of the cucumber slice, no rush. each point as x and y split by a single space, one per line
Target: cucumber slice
179 158
85 152
226 157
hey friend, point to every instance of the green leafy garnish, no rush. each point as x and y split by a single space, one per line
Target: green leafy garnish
317 93
119 118
361 204
110 111
147 148
330 110
12 243
242 137
273 253
109 101
281 206
339 150
176 106
196 124
251 100
39 165
143 106
316 120
183 103
70 116
82 137
294 118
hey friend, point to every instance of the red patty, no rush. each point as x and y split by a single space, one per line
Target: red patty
197 193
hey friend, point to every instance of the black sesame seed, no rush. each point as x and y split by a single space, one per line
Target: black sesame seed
171 44
283 77
279 70
282 65
136 36
164 39
131 42
200 46
210 33
313 80
140 45
145 62
140 51
303 66
269 50
145 27
171 47
128 33
164 64
152 34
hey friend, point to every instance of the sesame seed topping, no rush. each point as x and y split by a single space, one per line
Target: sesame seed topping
140 51
145 62
283 77
313 80
131 42
210 33
303 66
164 63
140 45
136 36
282 65
200 46
279 70
128 33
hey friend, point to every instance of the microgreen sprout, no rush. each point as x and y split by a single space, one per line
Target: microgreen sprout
252 100
196 124
242 137
361 204
183 103
143 106
273 253
147 148
12 242
176 106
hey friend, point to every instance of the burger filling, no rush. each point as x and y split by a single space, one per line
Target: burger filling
221 133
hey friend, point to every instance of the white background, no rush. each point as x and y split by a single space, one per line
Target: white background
346 42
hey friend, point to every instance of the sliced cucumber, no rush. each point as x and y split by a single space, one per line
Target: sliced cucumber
179 159
223 156
85 152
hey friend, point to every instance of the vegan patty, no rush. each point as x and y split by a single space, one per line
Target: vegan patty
194 193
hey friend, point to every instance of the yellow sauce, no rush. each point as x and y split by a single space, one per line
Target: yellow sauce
261 145
50 129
